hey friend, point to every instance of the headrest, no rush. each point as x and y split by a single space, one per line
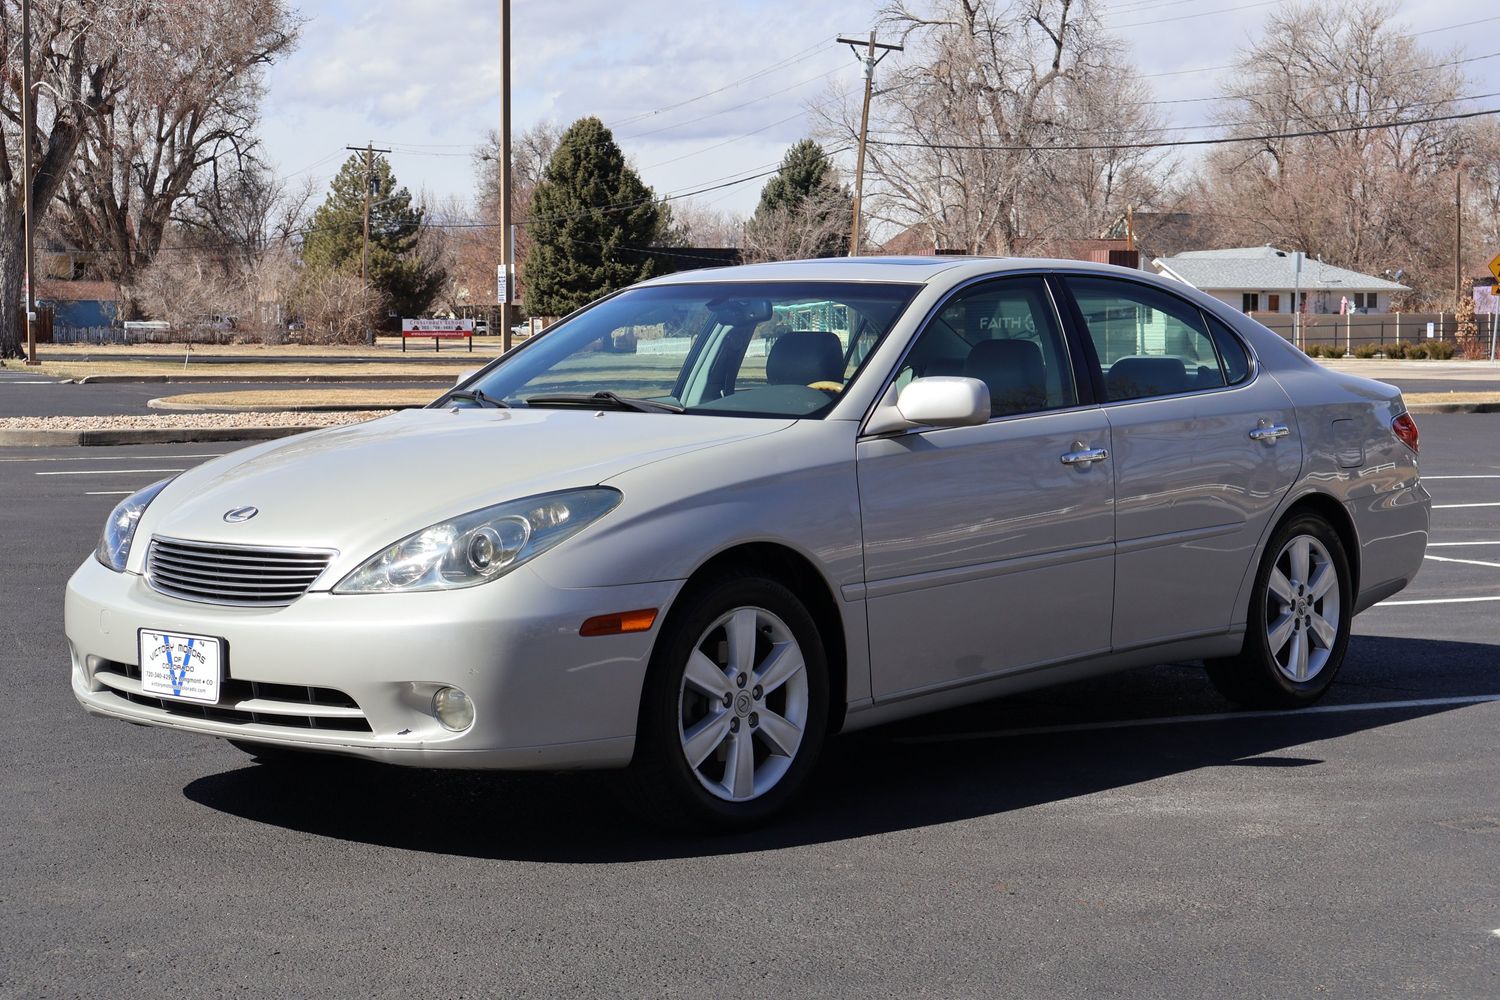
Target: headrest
1014 371
802 357
1130 378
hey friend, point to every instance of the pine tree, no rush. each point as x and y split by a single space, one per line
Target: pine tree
405 281
591 219
803 209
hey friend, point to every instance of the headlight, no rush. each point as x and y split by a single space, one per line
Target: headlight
119 530
482 546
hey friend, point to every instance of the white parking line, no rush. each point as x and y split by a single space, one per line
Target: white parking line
1454 506
103 472
109 493
1469 562
1433 545
1487 476
1436 600
1168 720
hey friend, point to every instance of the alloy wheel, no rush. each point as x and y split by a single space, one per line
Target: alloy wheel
743 704
1302 608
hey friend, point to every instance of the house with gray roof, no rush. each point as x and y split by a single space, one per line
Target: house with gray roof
1262 279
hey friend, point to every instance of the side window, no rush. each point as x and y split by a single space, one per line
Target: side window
1005 334
1149 343
1236 361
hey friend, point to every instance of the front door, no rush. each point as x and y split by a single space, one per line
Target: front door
987 553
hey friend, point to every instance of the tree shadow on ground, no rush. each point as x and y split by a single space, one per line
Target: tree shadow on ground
888 779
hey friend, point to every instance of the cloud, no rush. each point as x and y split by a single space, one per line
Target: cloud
422 76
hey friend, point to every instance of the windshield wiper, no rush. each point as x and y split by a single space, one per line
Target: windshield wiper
476 396
604 400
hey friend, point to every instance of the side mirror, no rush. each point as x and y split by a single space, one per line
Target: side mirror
465 376
937 401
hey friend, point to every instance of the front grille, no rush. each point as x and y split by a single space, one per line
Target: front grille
233 574
290 705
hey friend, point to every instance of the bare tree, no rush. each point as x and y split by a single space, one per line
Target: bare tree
336 307
699 224
477 250
152 149
801 230
1372 198
1025 80
186 290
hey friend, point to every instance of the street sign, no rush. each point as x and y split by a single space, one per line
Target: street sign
1495 267
502 293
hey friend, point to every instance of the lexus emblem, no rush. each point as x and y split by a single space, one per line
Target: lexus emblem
240 514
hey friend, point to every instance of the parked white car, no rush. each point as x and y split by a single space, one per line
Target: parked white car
700 526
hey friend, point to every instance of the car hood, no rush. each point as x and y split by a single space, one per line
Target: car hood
360 487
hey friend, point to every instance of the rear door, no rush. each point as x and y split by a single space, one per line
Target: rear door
986 552
1204 449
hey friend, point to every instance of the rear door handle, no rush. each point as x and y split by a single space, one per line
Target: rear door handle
1269 432
1085 456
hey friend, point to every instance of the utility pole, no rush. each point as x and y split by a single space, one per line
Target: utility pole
1458 234
369 150
507 283
870 62
27 307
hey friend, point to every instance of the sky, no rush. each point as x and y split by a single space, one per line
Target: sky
697 93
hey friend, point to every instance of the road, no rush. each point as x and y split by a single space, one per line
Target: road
1127 837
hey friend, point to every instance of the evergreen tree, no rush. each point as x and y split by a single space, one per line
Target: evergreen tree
591 217
404 279
804 199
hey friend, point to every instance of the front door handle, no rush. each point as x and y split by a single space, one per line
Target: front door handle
1269 432
1085 456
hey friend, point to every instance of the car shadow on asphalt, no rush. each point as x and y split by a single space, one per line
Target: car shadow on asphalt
889 779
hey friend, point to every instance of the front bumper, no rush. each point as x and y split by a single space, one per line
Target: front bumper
544 697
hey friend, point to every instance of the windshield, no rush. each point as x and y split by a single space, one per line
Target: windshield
745 349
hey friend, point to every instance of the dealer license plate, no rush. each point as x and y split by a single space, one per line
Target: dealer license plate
176 665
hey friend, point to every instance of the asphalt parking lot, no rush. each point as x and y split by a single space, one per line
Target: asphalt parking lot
1128 837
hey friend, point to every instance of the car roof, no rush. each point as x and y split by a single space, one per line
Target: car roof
903 270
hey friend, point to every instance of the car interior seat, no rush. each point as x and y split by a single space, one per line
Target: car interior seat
802 357
1014 371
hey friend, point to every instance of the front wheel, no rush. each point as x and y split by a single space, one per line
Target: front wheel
1298 628
735 707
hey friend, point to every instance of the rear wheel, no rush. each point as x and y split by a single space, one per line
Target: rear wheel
1298 628
734 710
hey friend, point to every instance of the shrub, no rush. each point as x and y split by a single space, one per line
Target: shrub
1333 352
1366 350
1396 351
1440 350
1315 351
1417 351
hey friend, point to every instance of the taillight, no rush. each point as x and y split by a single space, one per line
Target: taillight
1406 429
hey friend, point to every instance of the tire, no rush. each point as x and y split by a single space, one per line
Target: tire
702 709
1298 626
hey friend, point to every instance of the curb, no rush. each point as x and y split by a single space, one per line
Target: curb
143 435
1421 408
166 403
253 379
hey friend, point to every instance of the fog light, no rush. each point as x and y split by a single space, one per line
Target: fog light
453 709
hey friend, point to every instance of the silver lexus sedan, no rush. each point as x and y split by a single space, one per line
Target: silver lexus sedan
705 523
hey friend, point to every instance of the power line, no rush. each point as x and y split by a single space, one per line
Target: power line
1201 13
1286 120
1221 140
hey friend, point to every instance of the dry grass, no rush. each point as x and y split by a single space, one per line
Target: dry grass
291 399
247 371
